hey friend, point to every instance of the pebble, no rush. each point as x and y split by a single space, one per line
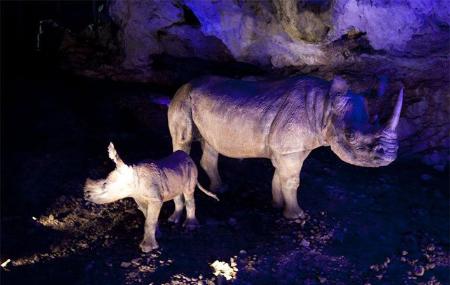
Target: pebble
242 252
305 243
125 264
404 252
136 261
419 270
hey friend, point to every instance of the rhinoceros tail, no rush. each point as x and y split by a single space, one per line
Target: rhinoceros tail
207 192
180 119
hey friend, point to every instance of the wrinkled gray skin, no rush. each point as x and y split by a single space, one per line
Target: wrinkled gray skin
150 183
280 120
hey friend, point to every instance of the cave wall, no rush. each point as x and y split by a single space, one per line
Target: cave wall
406 41
279 32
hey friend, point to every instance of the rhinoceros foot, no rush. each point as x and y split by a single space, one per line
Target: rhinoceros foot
293 214
191 224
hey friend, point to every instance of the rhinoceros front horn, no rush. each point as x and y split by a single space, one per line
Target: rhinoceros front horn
393 121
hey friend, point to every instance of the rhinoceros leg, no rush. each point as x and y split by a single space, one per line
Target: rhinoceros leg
277 196
288 168
180 120
209 162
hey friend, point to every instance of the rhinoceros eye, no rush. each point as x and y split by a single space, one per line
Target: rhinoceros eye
351 136
379 150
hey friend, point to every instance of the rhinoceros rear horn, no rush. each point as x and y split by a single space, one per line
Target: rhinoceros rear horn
393 121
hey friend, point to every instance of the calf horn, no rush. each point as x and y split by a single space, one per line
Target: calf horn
114 156
393 122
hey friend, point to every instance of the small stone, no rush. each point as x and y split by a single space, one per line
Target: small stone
404 252
242 252
305 243
419 270
431 265
125 264
136 261
430 247
322 279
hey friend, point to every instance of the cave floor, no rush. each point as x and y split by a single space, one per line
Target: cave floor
365 226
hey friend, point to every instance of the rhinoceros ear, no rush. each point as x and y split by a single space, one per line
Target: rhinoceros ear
338 91
338 86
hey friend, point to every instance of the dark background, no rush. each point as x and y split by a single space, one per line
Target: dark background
55 127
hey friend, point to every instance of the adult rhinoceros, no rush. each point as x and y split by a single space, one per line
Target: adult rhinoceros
281 120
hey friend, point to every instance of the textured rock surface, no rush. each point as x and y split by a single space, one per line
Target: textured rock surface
406 40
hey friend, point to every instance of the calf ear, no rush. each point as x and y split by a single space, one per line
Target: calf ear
339 86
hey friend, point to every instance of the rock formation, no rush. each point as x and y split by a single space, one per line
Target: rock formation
406 41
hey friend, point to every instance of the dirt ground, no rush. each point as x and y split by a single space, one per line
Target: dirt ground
364 226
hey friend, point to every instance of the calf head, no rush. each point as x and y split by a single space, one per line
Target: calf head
351 135
120 183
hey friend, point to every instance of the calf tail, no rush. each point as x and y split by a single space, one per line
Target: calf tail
207 192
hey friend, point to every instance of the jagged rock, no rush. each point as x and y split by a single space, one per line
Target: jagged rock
392 26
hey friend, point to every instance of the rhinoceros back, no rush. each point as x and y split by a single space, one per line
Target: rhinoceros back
236 117
178 172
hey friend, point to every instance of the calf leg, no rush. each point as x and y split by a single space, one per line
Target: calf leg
191 221
208 162
179 205
288 168
142 206
149 241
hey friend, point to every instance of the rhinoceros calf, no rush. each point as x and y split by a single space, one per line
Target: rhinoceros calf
281 120
150 183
